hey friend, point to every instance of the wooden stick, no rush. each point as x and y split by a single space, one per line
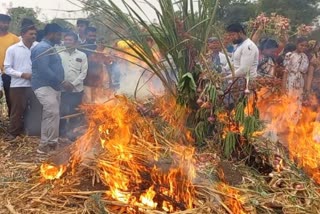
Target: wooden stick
71 116
82 193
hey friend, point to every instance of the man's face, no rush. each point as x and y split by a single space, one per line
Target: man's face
91 37
69 42
81 28
214 46
30 36
56 37
234 37
4 26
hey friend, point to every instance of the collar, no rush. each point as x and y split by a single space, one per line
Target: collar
80 40
48 42
73 52
21 44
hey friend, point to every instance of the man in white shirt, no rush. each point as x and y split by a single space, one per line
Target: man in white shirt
218 59
82 25
75 65
245 57
18 65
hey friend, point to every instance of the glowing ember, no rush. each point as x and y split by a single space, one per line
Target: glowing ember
147 198
51 172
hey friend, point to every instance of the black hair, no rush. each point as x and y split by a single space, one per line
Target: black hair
25 29
66 30
83 21
5 18
236 28
91 29
302 39
71 34
290 47
40 35
52 28
268 44
26 22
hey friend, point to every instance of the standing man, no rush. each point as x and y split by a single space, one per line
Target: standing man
47 80
93 79
90 44
18 66
82 25
6 40
245 57
218 59
75 65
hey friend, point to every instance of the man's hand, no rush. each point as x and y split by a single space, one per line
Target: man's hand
67 86
26 76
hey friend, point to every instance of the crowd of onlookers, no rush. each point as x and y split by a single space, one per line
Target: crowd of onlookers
296 64
48 73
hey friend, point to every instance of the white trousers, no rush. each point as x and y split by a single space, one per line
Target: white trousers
50 101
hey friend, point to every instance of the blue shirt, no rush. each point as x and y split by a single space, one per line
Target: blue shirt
47 68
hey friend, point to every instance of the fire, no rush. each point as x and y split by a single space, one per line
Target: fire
299 132
147 198
51 172
139 166
233 200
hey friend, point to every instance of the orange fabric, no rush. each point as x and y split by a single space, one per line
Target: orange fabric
5 42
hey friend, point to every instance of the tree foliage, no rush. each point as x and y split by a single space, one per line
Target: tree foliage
63 23
19 13
298 11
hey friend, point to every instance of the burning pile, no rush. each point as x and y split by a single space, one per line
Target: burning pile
138 165
297 127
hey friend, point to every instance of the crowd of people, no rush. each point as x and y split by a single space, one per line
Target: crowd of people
296 64
47 74
53 71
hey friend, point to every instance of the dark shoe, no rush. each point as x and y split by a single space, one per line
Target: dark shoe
46 148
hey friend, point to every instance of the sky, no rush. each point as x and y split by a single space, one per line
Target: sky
51 9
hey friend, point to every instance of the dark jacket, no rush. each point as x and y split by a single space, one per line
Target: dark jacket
47 68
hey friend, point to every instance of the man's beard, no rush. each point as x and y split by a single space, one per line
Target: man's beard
238 41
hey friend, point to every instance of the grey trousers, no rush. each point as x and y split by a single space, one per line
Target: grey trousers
50 101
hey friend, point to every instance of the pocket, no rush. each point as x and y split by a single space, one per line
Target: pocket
76 65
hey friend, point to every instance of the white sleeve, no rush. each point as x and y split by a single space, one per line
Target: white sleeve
248 57
224 63
8 64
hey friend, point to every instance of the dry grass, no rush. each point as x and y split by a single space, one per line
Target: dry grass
22 190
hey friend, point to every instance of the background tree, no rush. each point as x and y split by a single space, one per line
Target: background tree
236 11
18 13
298 11
63 23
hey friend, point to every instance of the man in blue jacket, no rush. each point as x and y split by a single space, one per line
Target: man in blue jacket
47 81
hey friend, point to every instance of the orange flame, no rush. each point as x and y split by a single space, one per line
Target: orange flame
297 127
51 172
130 164
233 200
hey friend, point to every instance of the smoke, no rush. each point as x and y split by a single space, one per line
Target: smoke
135 80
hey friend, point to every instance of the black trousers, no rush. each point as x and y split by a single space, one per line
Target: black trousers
70 101
6 79
25 111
